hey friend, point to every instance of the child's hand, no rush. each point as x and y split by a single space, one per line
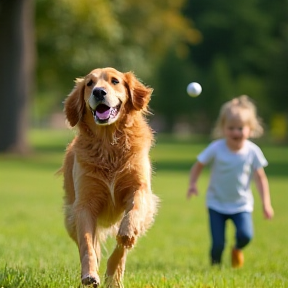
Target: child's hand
192 190
268 212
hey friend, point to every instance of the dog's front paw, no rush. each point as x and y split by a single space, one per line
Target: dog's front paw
90 281
129 230
126 241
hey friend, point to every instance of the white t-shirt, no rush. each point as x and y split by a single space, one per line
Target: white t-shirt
229 189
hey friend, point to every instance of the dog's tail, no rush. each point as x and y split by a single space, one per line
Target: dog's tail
59 172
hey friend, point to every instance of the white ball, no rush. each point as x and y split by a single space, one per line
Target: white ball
194 89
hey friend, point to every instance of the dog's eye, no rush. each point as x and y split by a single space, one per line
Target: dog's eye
114 81
90 83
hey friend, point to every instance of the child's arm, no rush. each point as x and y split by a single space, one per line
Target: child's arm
194 174
263 189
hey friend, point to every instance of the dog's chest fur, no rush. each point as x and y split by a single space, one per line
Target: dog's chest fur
105 157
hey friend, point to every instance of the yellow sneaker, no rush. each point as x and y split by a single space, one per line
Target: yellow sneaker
237 258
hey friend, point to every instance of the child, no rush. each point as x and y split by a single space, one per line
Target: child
234 160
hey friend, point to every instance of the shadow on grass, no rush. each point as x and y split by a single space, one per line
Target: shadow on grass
274 169
50 148
277 169
45 159
48 154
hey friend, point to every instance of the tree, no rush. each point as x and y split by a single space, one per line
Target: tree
250 39
243 51
77 36
17 63
72 38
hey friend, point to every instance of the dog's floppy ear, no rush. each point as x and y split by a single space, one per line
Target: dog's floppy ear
140 94
74 103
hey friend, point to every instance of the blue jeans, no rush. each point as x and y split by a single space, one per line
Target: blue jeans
244 232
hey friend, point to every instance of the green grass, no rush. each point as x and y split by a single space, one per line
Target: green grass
35 250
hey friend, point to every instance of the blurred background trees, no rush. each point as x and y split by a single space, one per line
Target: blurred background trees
77 36
231 48
17 50
244 50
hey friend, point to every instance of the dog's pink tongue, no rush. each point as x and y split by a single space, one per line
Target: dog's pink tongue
103 115
103 112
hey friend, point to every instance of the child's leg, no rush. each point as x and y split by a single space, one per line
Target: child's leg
217 228
244 228
244 234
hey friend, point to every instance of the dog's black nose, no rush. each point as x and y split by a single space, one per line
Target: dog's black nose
99 93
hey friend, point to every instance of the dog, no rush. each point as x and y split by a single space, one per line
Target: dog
107 169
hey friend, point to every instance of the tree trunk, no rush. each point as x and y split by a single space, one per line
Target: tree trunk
16 72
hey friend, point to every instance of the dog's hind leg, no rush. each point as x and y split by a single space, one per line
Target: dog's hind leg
116 267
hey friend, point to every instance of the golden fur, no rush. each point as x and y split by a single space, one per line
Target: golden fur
107 172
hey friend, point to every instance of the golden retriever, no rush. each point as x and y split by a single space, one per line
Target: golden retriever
107 171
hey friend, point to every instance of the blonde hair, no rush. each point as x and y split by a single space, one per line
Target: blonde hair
240 108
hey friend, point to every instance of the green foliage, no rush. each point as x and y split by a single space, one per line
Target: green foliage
243 50
74 37
35 250
230 48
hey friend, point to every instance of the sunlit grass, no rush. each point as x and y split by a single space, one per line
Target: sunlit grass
35 250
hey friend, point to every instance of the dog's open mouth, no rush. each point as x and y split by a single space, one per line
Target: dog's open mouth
104 113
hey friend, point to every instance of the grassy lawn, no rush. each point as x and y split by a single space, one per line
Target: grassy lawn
35 250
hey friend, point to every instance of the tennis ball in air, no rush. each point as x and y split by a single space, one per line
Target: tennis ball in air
194 89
